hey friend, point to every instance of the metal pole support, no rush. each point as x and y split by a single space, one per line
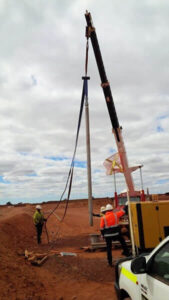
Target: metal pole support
90 202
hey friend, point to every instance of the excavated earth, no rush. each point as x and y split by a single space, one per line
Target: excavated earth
81 277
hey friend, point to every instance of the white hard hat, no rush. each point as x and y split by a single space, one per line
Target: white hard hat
109 207
38 207
102 209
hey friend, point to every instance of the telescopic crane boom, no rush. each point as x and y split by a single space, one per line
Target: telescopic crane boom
117 130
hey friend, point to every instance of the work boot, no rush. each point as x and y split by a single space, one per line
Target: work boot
126 253
110 265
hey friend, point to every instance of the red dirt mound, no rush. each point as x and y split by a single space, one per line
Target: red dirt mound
85 276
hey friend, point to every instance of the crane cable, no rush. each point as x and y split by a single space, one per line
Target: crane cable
70 174
86 60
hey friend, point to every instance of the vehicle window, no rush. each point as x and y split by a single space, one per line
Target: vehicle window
159 265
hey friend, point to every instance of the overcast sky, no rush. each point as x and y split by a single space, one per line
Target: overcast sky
42 57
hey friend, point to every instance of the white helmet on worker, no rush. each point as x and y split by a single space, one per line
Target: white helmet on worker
102 209
109 207
38 207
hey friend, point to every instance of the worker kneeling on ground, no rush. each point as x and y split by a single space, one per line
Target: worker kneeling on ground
39 220
110 230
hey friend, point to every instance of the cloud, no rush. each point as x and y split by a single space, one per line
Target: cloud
42 62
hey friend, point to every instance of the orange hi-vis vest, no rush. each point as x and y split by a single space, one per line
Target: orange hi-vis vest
109 224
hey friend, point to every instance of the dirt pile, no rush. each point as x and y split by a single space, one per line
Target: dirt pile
17 280
84 276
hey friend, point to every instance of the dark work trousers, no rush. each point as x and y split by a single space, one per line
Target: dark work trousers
126 233
39 232
109 240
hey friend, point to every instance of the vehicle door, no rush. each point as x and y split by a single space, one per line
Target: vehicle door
154 285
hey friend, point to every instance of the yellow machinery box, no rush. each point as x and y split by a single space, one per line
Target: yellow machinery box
150 222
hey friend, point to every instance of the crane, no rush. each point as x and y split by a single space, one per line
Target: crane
116 128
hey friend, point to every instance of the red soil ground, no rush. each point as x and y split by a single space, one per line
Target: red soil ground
83 277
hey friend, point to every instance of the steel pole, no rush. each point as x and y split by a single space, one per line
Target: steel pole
114 182
142 189
115 192
131 226
141 177
90 203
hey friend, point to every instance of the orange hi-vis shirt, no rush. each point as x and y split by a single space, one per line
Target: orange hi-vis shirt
109 222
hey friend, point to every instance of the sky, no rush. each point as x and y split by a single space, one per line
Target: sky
42 61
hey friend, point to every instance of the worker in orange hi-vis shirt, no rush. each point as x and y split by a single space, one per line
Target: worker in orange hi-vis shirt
110 230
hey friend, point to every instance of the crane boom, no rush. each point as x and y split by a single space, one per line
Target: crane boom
117 130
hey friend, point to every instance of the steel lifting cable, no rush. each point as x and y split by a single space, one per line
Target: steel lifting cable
70 174
86 60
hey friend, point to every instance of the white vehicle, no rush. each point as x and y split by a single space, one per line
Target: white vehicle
145 277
